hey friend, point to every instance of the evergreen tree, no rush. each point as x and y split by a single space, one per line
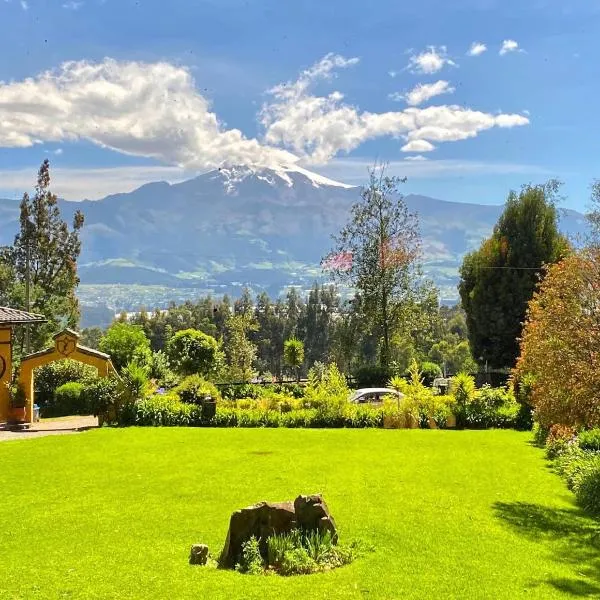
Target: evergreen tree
46 251
498 280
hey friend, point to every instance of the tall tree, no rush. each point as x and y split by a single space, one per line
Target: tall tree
561 341
376 253
46 250
498 280
240 351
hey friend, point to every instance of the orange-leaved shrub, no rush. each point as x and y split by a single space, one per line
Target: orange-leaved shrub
560 344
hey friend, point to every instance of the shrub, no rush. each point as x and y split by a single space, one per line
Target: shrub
192 351
590 440
193 389
560 438
67 400
573 463
101 396
429 371
372 376
251 561
231 391
587 491
167 410
295 553
53 375
463 389
491 407
160 370
126 343
328 392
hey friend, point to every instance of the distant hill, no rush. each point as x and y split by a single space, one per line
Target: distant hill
264 228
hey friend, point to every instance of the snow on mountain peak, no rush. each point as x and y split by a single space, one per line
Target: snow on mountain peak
234 175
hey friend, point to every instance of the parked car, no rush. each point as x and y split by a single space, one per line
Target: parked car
373 395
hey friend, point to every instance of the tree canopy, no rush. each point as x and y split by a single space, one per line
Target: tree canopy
560 347
498 280
377 255
48 250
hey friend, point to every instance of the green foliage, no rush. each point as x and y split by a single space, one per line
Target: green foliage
372 375
134 382
193 351
578 464
498 280
297 562
293 355
560 438
125 343
251 561
240 349
328 392
101 396
279 545
166 410
589 440
429 371
454 354
51 249
587 491
194 388
67 400
295 553
160 370
462 387
53 375
491 407
376 254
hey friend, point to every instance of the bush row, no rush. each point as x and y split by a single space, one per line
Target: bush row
576 457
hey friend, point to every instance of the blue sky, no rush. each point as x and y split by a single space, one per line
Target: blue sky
165 90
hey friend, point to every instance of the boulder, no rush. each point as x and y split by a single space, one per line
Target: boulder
199 554
261 520
312 514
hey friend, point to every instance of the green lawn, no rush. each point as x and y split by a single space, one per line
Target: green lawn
112 514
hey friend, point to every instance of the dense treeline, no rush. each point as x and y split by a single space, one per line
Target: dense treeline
327 326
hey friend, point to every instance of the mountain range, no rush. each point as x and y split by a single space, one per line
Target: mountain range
234 227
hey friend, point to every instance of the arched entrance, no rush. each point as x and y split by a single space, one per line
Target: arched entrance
65 346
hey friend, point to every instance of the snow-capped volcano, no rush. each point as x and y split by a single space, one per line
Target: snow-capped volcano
287 174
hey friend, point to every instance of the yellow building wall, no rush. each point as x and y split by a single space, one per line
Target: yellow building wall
5 371
28 365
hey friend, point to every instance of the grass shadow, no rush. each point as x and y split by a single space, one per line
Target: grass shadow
573 537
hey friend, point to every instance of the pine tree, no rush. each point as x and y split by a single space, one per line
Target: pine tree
46 250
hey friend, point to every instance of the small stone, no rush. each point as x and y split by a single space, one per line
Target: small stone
199 554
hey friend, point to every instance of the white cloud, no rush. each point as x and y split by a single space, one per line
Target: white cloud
418 146
73 5
509 46
319 127
476 49
430 61
89 183
154 110
423 92
151 110
24 5
418 157
58 151
392 74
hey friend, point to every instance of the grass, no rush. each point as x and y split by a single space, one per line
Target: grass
112 514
